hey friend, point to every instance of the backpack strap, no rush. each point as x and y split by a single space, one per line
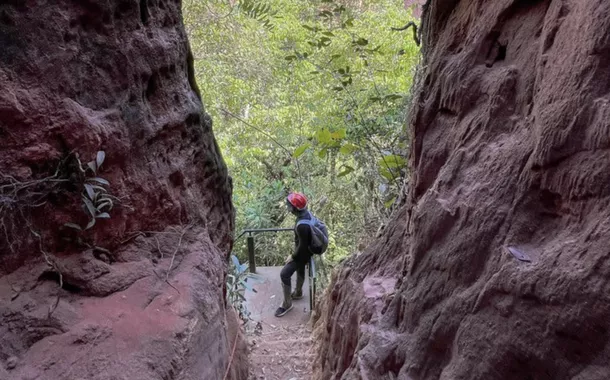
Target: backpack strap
309 222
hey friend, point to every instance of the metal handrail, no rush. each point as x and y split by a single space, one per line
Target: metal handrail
252 259
252 231
312 283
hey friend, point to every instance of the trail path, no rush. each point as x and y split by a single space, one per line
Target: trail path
280 348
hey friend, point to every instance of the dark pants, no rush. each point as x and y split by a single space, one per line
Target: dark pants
289 269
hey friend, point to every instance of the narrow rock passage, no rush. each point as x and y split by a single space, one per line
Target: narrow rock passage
280 348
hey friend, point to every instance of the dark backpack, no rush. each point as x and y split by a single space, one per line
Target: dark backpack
319 235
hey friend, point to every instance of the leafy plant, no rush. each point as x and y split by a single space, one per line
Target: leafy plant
237 285
97 201
258 10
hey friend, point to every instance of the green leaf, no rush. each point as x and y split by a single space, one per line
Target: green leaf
247 286
89 206
392 161
347 170
362 41
347 149
90 191
235 261
73 225
91 165
99 159
386 174
101 206
96 187
100 180
101 200
103 215
324 136
90 224
290 57
339 134
322 153
330 34
300 150
389 203
338 88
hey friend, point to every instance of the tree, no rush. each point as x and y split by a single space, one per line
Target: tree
307 96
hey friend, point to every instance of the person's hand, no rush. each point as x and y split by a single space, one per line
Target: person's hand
288 259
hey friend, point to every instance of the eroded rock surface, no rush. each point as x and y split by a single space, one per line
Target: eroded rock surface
511 135
142 294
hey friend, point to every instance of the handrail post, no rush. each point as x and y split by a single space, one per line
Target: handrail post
251 259
312 284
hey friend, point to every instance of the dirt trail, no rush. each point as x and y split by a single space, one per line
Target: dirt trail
280 348
282 353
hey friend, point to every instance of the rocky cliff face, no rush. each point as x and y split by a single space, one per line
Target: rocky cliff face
142 292
498 266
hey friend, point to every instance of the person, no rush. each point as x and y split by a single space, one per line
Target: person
296 262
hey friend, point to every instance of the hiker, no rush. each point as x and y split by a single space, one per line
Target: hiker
311 237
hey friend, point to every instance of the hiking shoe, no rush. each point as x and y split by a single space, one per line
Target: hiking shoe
281 311
296 295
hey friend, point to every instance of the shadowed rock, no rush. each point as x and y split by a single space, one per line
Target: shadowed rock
510 149
142 294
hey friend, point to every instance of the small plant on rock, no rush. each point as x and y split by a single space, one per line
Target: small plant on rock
97 201
237 285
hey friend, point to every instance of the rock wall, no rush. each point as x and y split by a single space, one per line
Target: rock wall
500 257
142 293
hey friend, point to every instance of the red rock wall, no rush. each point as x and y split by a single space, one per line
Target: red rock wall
511 134
79 77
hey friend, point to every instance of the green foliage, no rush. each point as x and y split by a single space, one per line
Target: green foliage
97 202
236 286
326 87
259 11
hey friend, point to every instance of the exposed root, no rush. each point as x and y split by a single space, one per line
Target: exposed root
17 198
171 263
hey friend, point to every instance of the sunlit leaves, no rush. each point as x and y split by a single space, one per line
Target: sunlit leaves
390 165
300 150
392 161
324 136
346 170
389 203
348 149
328 82
258 10
339 134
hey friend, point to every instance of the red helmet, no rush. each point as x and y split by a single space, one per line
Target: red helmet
298 200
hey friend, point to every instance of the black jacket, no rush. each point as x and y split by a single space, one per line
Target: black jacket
302 239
